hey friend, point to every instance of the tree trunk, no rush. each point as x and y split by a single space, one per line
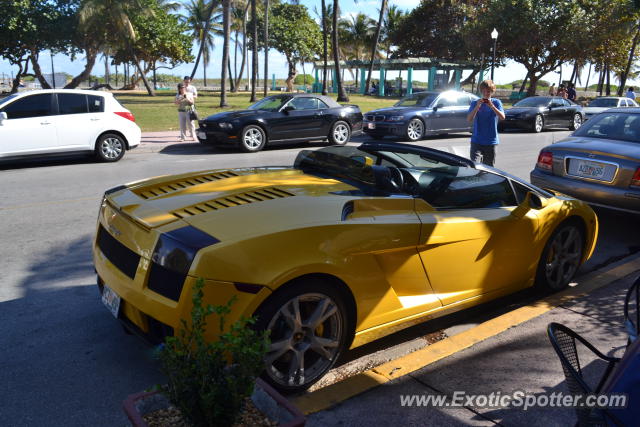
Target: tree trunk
533 83
342 96
107 72
524 82
608 74
204 74
383 7
226 23
203 36
560 76
38 72
91 56
150 90
623 80
244 47
600 80
586 85
232 84
324 48
234 76
16 81
254 56
266 47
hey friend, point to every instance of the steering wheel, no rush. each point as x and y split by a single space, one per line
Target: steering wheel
396 179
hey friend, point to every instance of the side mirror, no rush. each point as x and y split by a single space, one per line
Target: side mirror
531 201
3 116
535 201
288 108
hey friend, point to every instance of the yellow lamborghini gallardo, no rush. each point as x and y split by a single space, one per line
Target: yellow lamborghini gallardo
349 244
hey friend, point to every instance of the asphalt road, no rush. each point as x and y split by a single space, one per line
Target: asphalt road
64 359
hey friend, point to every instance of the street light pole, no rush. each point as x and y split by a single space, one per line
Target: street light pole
53 73
494 36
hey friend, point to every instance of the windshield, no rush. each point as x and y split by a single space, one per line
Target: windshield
620 126
416 100
603 102
534 101
7 99
270 103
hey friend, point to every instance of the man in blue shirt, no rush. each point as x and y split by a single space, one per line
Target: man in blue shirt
631 94
485 113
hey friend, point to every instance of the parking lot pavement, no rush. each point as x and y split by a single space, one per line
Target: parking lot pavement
503 355
152 142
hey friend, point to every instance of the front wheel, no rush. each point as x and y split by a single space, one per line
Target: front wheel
252 139
560 258
415 130
538 123
340 133
309 328
110 147
576 122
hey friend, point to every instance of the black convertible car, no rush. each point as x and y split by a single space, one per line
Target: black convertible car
539 112
283 118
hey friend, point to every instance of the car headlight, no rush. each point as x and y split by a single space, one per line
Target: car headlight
225 125
172 258
395 118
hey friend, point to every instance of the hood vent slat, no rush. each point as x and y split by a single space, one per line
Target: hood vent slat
246 198
166 188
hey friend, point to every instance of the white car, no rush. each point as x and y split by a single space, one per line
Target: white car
56 121
603 103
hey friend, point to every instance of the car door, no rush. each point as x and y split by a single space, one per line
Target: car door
459 116
30 126
75 124
443 118
478 240
556 113
299 118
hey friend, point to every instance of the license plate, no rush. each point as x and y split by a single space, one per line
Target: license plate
371 125
111 300
590 169
202 135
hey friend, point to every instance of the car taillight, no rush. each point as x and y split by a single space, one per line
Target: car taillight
635 181
127 115
545 160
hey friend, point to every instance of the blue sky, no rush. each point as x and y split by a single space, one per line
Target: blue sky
277 62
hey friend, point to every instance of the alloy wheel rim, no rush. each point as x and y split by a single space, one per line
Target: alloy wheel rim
305 339
414 130
341 134
253 138
538 123
563 258
577 121
111 148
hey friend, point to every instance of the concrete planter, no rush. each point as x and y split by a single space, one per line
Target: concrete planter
271 403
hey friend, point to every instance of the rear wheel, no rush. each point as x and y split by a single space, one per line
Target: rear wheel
252 139
309 328
340 133
561 257
110 147
538 123
576 122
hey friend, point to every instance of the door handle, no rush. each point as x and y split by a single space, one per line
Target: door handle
45 123
94 120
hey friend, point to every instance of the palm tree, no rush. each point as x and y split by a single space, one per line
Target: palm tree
113 16
358 34
203 17
342 96
266 45
226 19
391 24
325 17
374 48
254 59
239 13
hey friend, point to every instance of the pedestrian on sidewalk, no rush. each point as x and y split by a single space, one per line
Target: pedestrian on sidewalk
552 89
184 100
190 88
571 93
631 94
484 113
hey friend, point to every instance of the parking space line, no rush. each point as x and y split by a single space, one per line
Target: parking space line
328 396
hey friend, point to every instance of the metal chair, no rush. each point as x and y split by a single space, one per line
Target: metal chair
564 342
632 311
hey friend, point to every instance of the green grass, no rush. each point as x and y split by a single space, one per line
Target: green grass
157 113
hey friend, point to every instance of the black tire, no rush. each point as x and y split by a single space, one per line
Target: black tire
538 123
576 122
110 147
252 139
290 338
415 130
561 257
340 133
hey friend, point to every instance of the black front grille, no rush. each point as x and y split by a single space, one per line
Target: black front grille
376 118
166 282
122 257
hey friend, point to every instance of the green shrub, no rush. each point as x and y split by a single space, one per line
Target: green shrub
209 381
300 79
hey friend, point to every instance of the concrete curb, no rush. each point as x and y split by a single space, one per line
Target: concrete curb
331 395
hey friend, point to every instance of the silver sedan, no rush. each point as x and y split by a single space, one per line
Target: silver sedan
599 163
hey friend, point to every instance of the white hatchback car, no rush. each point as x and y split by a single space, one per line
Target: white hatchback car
55 121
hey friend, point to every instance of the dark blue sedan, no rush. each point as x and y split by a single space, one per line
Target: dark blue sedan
421 114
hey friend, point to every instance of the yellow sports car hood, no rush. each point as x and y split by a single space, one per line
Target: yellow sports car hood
238 201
